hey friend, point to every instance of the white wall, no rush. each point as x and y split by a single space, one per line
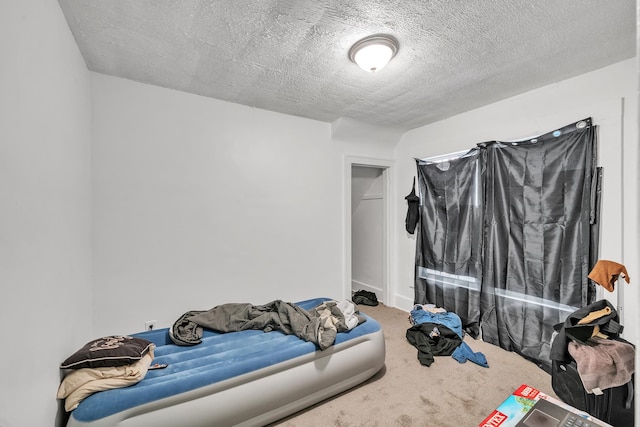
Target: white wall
45 260
199 202
609 96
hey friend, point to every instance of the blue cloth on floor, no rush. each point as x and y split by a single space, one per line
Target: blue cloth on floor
464 353
447 318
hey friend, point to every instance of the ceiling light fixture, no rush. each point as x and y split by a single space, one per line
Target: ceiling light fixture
374 52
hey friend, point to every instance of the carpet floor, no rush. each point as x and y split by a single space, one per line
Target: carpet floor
407 394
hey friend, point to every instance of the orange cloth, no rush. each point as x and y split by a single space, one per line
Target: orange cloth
605 273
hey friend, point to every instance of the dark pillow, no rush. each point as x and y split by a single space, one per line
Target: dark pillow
116 350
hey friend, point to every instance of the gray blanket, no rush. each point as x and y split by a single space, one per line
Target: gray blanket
276 315
604 363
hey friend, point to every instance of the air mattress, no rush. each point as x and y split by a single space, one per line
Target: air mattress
247 378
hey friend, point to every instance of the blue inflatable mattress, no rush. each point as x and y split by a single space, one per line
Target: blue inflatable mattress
237 378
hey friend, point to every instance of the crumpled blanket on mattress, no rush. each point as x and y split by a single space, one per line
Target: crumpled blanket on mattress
319 325
342 314
81 383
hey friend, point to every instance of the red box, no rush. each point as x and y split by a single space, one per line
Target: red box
516 406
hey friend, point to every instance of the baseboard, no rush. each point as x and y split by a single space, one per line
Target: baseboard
398 301
403 303
361 286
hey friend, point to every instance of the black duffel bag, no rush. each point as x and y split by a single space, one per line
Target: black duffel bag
614 405
365 298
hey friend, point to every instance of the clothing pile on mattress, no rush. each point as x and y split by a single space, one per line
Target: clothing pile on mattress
318 325
102 364
437 332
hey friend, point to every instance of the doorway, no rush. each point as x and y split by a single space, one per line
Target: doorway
367 229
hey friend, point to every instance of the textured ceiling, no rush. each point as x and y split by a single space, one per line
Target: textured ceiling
292 56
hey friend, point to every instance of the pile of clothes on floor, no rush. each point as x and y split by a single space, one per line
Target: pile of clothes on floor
438 332
102 364
365 298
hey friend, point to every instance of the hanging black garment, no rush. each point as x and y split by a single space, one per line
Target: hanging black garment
413 209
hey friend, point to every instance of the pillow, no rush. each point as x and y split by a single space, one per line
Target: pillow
115 350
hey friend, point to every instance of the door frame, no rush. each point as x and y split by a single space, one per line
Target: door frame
387 189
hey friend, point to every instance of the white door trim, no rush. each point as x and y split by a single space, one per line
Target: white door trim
387 185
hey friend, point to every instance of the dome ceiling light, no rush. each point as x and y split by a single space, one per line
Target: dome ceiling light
372 53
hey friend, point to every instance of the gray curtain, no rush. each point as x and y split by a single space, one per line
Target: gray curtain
529 241
538 237
449 241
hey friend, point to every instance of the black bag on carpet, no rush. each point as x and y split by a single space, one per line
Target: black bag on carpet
613 406
365 298
597 321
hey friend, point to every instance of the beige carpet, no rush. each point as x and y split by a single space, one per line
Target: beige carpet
408 394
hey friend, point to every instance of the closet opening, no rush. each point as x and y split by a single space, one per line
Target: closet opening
367 228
